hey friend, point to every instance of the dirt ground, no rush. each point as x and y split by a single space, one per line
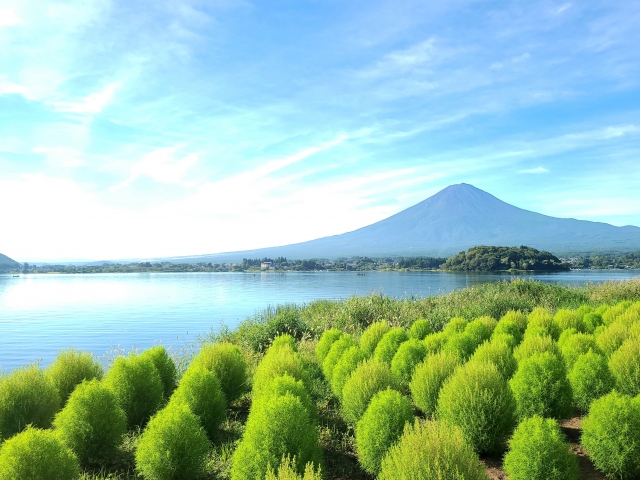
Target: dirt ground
571 429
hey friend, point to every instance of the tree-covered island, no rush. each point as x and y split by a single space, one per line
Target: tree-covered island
495 259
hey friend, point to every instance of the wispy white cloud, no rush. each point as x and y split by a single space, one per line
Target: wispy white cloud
9 18
61 157
162 166
536 170
91 104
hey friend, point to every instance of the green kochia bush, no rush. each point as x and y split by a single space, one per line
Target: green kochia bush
625 366
536 344
283 385
540 387
70 368
612 337
431 450
226 362
481 329
478 400
499 353
537 451
461 345
576 345
591 321
326 340
518 318
200 390
372 336
380 426
92 423
565 335
389 344
611 433
335 352
284 340
541 318
434 342
455 325
27 396
165 366
410 353
368 379
509 327
37 455
590 378
277 362
173 445
420 329
287 471
281 426
136 383
347 364
428 378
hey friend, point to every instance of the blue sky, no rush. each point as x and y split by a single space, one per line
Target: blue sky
169 127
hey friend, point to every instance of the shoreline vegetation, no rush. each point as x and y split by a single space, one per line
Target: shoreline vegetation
331 361
476 259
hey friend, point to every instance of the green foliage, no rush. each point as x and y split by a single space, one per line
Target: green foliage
478 400
283 385
380 427
431 450
27 396
389 344
481 329
536 344
625 367
165 366
428 378
372 336
518 318
136 383
575 346
279 427
258 333
434 342
541 318
592 321
590 378
278 362
540 387
347 364
495 259
499 353
508 327
565 318
70 368
227 363
610 434
92 423
506 338
367 379
410 354
37 455
612 337
201 391
564 336
462 345
284 340
173 445
326 340
610 314
335 353
287 471
455 325
537 451
420 329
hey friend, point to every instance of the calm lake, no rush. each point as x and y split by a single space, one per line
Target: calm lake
41 314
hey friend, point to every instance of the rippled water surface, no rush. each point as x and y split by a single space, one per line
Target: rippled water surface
41 314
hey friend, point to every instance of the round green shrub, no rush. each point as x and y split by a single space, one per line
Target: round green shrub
410 354
508 327
372 335
37 455
200 390
455 325
590 378
92 423
540 387
428 378
276 428
420 329
326 340
499 353
625 367
431 450
461 345
283 385
434 342
173 445
478 400
541 318
347 364
575 346
610 434
70 368
520 319
583 310
368 379
287 471
165 366
136 383
480 329
284 340
506 338
335 353
380 427
389 344
226 362
592 321
27 396
565 319
536 344
612 337
564 336
537 451
279 362
610 314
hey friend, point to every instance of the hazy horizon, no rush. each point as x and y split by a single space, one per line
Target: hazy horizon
176 128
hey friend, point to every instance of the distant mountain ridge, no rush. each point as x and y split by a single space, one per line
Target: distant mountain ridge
455 219
7 263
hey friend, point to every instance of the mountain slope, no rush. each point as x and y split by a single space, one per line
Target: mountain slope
456 218
7 263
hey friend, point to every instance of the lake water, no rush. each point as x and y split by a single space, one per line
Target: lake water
41 314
